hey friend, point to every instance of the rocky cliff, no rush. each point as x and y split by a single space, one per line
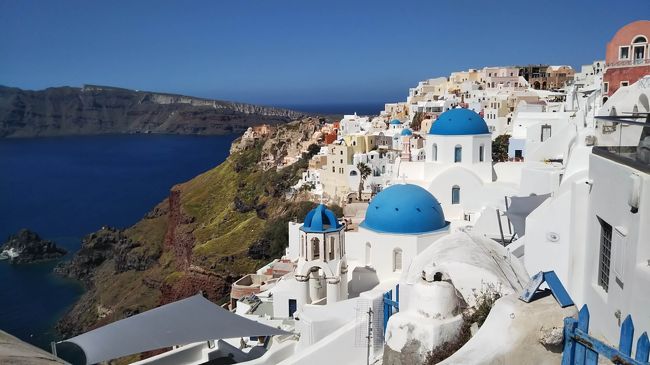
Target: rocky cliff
210 230
100 110
27 247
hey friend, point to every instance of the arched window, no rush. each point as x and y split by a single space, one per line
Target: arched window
458 153
331 248
434 152
315 248
455 194
353 173
640 39
397 259
481 151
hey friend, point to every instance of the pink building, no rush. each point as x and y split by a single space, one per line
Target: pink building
627 57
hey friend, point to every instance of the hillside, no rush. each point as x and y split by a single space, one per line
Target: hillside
103 110
211 230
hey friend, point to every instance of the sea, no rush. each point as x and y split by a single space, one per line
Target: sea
66 187
365 108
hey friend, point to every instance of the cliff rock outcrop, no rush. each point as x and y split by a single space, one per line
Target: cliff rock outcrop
207 233
27 247
101 110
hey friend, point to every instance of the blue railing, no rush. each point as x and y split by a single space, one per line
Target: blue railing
390 304
582 349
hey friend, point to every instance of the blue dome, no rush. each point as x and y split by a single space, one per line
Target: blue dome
320 219
404 209
395 121
406 132
459 121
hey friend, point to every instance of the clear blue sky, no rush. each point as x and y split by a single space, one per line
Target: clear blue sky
293 52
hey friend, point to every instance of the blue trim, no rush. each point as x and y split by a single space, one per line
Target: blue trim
459 121
404 209
321 220
557 289
582 349
364 225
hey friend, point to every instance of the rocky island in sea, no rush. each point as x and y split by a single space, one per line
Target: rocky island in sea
27 247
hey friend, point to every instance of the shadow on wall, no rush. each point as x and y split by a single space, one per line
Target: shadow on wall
363 279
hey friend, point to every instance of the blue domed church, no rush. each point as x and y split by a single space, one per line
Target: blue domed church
458 164
400 222
321 271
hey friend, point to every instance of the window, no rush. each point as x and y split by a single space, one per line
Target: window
624 83
546 132
368 249
315 248
480 153
458 153
640 39
624 53
331 248
605 87
341 153
605 254
397 259
455 195
434 152
302 246
353 173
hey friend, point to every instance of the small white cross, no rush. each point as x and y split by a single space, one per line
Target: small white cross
403 177
322 199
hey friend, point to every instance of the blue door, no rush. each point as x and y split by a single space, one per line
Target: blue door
292 307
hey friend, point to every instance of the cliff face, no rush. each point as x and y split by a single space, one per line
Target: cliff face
100 110
27 247
211 230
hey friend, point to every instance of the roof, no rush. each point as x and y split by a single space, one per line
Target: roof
190 320
395 121
15 351
404 209
406 132
459 121
320 219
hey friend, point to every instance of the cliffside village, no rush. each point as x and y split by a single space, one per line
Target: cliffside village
441 218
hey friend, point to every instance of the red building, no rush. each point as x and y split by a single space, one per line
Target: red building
627 58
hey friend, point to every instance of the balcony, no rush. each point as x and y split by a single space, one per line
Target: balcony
637 157
628 63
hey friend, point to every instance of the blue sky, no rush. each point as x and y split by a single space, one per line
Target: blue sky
293 52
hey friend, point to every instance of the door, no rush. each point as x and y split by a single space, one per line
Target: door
292 307
639 54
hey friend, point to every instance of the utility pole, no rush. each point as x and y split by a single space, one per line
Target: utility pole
369 337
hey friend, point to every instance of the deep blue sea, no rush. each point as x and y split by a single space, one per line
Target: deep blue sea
369 108
66 187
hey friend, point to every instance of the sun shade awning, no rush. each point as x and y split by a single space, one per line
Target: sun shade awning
190 320
520 208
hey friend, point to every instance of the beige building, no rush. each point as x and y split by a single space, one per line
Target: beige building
361 143
335 175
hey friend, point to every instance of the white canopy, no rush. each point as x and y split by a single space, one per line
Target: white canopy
521 207
190 320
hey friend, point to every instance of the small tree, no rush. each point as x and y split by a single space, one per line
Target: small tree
312 150
500 148
364 172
